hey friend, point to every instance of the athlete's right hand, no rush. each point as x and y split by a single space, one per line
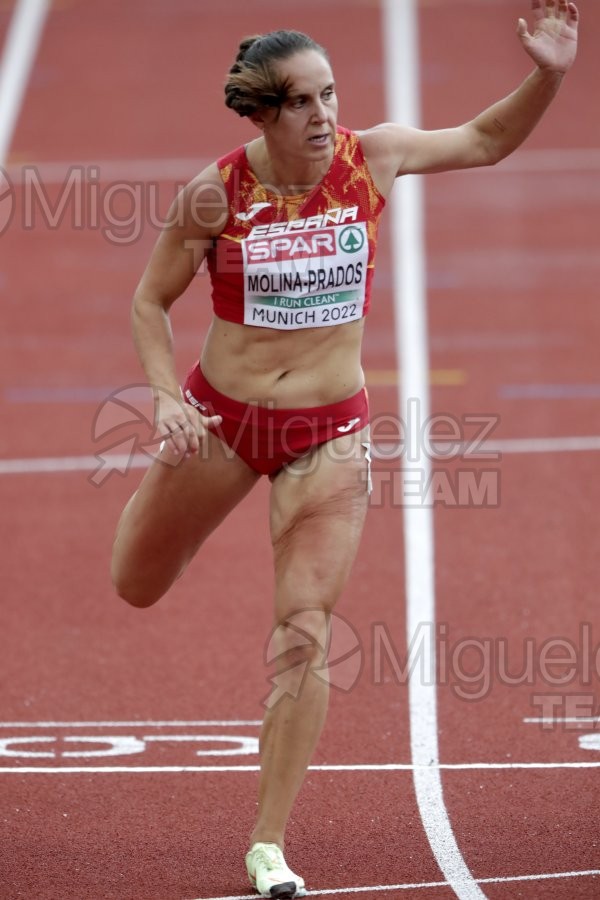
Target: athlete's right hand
182 427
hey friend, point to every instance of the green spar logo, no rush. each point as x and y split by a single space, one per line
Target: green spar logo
352 239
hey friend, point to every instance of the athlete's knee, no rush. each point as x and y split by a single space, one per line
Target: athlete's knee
131 586
302 637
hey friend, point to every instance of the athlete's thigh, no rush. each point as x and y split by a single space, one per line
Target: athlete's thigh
318 507
179 502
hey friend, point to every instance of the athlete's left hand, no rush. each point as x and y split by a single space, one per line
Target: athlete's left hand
553 44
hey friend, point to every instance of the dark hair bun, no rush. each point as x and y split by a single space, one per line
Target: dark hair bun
252 82
245 46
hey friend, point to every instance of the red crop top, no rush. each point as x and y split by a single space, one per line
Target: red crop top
303 261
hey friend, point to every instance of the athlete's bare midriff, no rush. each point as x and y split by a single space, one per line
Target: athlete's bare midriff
295 369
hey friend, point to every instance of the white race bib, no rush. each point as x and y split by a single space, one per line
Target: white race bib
306 279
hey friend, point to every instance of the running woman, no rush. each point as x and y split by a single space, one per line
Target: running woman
287 225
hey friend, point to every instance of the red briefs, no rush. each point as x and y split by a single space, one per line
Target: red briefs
267 438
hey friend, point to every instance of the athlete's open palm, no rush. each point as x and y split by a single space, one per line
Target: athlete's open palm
553 44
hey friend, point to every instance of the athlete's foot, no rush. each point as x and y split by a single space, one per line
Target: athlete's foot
269 874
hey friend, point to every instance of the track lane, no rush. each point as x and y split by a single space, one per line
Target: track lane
513 266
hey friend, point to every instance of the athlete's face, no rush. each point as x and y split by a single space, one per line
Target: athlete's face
305 124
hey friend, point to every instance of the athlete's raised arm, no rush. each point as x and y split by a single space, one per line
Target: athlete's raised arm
393 149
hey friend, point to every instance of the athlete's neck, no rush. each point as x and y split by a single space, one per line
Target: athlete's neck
285 176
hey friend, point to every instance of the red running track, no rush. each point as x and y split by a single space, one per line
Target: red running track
513 318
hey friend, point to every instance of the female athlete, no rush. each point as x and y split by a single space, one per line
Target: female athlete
288 228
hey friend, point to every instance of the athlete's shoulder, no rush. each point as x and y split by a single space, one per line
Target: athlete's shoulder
381 146
204 185
355 161
348 154
354 146
202 202
381 138
346 140
234 158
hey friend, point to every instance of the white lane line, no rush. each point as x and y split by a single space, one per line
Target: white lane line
20 48
134 724
52 172
401 43
121 462
423 885
367 767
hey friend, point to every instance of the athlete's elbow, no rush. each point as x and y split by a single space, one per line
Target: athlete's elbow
147 298
485 148
493 157
490 152
135 594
